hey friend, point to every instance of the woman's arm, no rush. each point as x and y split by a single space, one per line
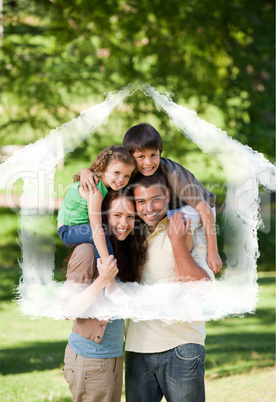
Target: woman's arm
76 304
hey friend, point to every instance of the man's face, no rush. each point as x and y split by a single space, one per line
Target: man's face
151 204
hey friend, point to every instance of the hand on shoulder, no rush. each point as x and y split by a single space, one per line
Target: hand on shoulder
179 228
107 269
88 181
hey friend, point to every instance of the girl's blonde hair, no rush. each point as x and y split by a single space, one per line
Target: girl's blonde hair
114 153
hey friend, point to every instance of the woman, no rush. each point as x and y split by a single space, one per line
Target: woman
93 357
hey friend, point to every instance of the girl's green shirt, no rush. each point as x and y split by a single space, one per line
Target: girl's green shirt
74 209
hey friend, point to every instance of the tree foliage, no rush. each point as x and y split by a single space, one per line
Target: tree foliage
207 53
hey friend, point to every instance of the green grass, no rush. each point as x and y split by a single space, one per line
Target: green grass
240 352
32 357
256 386
238 345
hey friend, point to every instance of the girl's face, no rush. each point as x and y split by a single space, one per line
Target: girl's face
117 175
121 217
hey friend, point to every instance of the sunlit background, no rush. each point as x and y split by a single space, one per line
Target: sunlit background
57 59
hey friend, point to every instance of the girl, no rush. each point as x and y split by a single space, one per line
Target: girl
113 166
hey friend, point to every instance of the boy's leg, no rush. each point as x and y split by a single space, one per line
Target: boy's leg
199 252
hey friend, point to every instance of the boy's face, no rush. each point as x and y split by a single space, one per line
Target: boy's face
147 161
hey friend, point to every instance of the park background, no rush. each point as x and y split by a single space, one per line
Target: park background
57 59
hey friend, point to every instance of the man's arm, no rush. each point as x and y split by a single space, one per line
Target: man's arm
186 267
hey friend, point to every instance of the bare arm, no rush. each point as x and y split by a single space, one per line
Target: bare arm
186 267
78 303
94 203
208 221
88 180
189 237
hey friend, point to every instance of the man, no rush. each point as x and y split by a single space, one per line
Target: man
164 360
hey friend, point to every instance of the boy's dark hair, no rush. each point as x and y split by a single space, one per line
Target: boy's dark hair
141 137
148 181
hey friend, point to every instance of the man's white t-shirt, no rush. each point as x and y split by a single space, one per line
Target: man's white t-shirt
155 336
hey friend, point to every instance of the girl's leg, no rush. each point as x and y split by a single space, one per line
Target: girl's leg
71 236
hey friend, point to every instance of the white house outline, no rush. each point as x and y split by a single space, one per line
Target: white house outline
38 161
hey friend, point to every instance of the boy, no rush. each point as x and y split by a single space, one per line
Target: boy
146 145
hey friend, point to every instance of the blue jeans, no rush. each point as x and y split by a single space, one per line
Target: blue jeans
71 236
177 374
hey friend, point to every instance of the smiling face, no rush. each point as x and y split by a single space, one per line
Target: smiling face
151 204
147 161
121 217
117 175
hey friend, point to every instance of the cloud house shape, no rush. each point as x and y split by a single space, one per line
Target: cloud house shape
235 292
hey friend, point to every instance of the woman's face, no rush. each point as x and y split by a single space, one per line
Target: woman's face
121 217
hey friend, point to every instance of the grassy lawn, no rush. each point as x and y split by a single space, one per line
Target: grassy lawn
239 352
31 357
239 345
255 386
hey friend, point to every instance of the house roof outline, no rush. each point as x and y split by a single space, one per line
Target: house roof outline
251 167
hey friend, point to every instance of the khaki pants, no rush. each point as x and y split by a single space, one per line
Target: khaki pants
93 380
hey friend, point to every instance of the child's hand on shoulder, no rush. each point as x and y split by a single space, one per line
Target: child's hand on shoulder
88 181
107 268
179 229
214 262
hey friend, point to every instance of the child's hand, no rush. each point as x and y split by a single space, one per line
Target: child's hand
214 262
88 181
107 269
179 228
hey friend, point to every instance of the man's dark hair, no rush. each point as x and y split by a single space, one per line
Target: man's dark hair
148 181
141 137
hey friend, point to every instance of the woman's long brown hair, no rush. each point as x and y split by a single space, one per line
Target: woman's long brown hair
131 254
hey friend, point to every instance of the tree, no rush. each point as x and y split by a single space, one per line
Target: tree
206 53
